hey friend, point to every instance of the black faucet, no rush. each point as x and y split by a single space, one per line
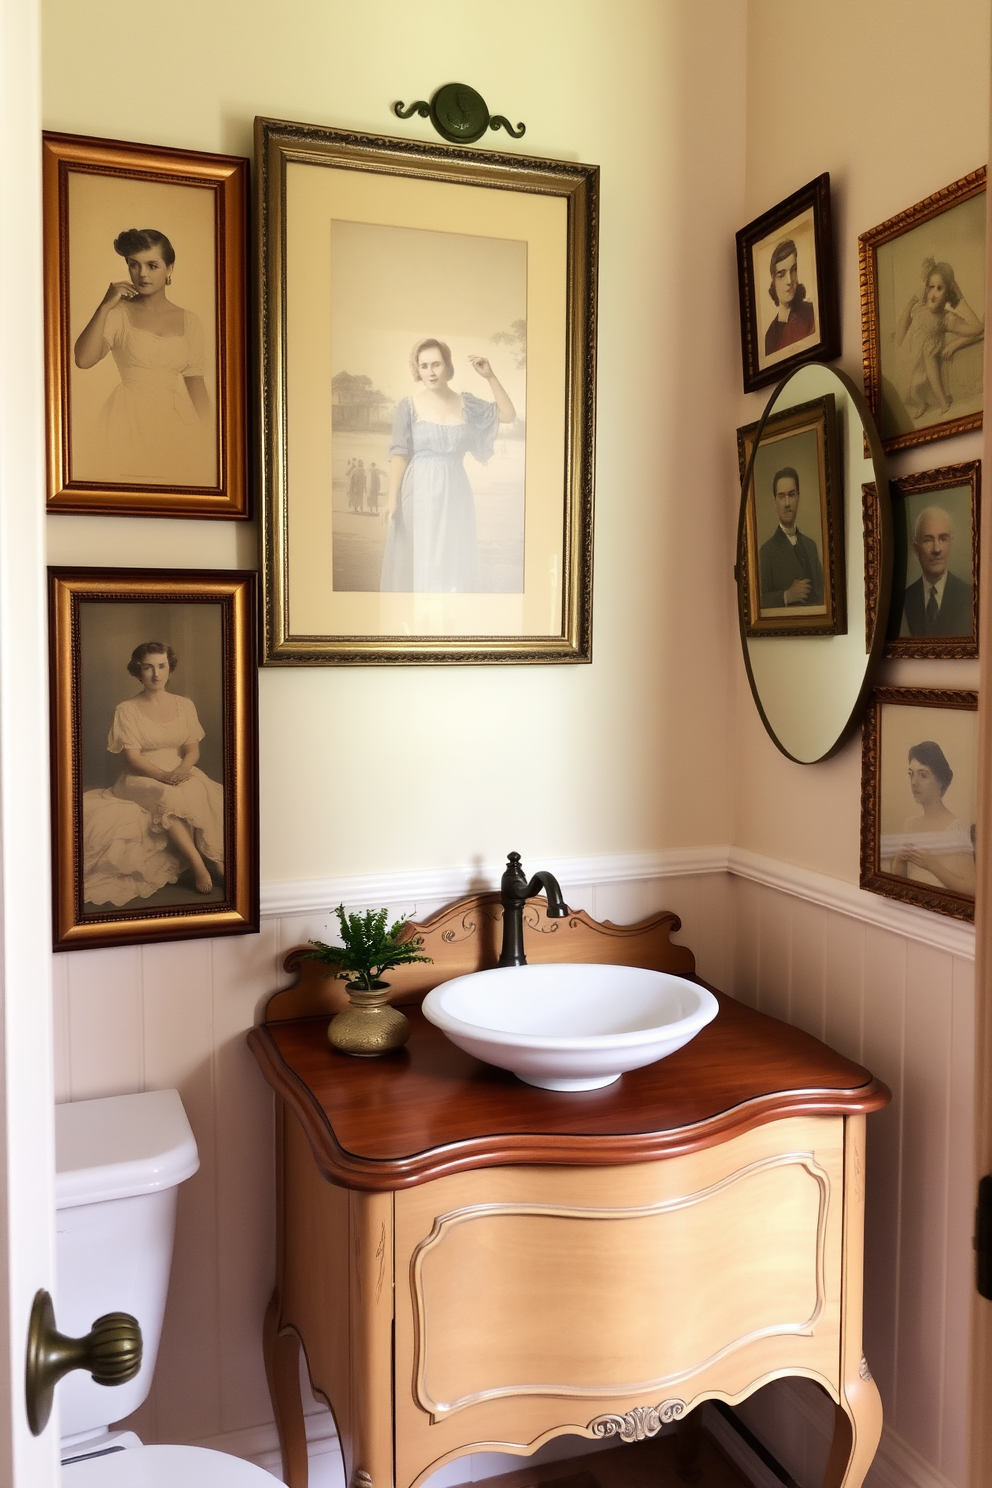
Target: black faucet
514 891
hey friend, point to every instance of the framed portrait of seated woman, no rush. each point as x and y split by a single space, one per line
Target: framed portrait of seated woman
919 797
923 316
427 338
145 255
154 755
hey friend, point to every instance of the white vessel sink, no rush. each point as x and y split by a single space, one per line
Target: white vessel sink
570 1027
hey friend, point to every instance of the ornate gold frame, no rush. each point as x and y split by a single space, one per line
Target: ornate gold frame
818 416
226 177
893 886
279 144
969 473
237 914
868 245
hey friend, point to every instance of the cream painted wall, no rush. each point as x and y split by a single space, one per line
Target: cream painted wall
628 753
892 98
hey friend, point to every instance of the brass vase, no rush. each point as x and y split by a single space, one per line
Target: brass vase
370 1026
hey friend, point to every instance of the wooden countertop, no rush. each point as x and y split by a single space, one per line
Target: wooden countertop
431 1109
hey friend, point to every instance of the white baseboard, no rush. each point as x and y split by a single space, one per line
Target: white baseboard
441 885
257 1442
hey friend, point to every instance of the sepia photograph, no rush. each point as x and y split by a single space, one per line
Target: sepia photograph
919 798
793 559
428 430
923 316
154 815
145 261
427 473
935 530
788 298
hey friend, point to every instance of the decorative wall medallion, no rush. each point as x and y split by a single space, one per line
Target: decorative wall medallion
459 114
641 1422
864 1371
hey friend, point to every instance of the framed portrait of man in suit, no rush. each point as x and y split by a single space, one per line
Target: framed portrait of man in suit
793 578
935 517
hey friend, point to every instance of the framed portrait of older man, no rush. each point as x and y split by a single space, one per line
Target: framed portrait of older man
787 284
935 532
919 798
793 556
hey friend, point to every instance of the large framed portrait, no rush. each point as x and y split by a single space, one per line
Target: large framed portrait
787 285
935 530
428 382
923 316
145 322
793 581
154 755
919 795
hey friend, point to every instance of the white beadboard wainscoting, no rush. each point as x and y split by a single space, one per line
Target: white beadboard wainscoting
885 984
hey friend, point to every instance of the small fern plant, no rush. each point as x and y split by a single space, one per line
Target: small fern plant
368 948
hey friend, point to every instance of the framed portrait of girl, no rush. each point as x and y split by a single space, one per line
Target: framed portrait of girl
923 316
154 755
145 329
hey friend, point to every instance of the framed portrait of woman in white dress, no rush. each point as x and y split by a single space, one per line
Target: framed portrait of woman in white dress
919 797
427 343
145 257
154 755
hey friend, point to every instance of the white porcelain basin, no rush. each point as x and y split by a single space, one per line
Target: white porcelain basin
570 1027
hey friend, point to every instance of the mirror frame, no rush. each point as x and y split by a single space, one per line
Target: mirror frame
883 554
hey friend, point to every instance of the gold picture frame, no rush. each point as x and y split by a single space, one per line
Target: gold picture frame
919 790
798 445
122 874
936 520
146 421
923 372
367 248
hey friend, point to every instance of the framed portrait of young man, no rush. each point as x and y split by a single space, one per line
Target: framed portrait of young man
427 348
923 316
153 683
787 286
793 556
919 797
145 323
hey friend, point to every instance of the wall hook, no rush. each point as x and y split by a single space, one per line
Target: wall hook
459 114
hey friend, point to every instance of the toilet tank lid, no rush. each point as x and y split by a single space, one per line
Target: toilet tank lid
121 1145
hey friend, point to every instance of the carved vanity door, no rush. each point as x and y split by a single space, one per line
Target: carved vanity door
535 1301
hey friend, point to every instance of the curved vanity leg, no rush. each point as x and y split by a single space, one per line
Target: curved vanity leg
858 1418
857 1430
282 1370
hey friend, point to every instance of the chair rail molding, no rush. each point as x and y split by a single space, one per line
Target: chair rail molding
415 886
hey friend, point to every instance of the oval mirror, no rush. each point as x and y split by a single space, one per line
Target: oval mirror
814 560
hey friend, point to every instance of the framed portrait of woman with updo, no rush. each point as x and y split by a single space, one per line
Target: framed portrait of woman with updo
145 329
920 798
154 749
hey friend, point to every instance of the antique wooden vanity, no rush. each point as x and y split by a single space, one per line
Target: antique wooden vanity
473 1264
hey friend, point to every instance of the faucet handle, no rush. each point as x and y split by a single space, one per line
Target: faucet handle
514 879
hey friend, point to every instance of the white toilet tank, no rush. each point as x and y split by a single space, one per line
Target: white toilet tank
118 1162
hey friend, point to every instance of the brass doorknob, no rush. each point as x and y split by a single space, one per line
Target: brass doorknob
111 1351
